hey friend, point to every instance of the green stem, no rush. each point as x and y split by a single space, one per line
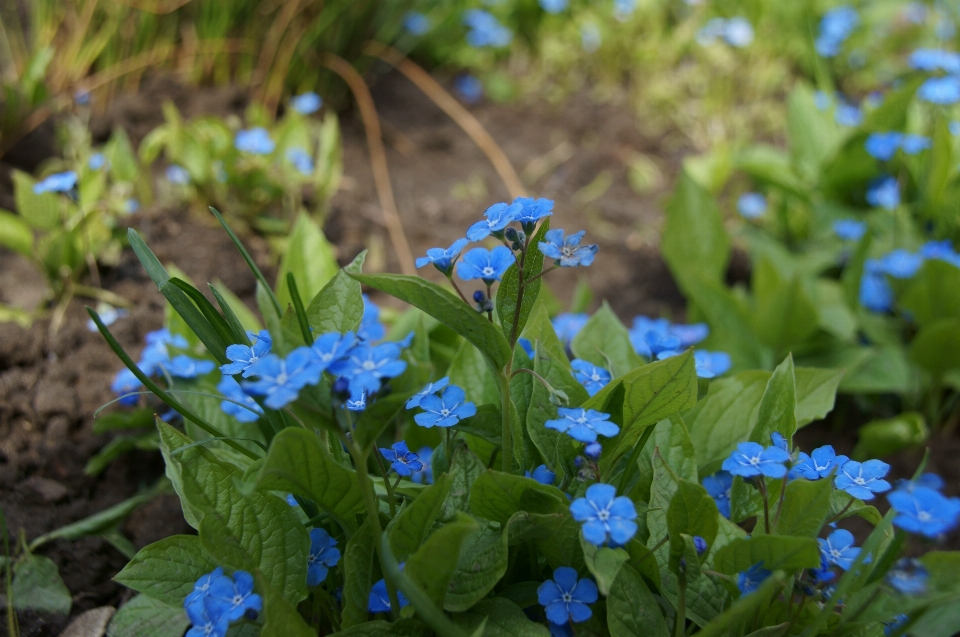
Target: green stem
299 309
542 272
506 432
631 465
457 288
766 505
384 473
681 623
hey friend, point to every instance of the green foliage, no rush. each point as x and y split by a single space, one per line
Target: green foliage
37 586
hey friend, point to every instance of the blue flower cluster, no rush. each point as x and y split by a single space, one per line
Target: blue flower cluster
57 182
836 25
875 291
922 509
485 29
156 360
177 175
255 141
939 89
306 103
660 339
217 600
883 146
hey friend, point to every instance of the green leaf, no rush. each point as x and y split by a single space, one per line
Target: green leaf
650 394
603 563
119 446
813 134
931 294
509 288
446 308
167 570
783 552
40 211
144 615
498 496
745 608
470 371
464 470
729 322
692 512
816 393
480 565
940 166
778 405
936 347
671 438
415 521
281 617
309 257
298 463
15 233
834 315
805 508
247 318
377 417
695 243
503 619
37 586
379 628
841 507
878 370
605 342
252 531
98 522
786 316
882 437
435 562
359 562
338 307
632 610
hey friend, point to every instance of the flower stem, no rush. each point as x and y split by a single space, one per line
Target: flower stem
385 474
490 299
678 629
537 276
457 288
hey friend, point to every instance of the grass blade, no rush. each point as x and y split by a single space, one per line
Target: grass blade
246 257
298 308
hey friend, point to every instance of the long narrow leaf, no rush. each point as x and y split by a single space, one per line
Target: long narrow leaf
236 327
246 257
299 309
216 320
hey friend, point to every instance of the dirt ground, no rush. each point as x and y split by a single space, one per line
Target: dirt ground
51 385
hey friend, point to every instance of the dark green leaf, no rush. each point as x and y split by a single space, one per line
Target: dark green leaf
414 523
509 288
805 508
144 615
604 563
936 346
281 617
882 437
481 564
379 628
98 522
692 512
745 608
434 563
605 342
498 496
470 371
632 610
167 570
119 446
786 316
778 405
783 552
359 562
503 619
695 243
931 293
37 586
338 307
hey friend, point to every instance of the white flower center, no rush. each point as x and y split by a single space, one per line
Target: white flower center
595 378
603 515
755 461
237 600
369 366
924 516
444 412
566 251
487 271
567 598
835 554
859 481
282 378
582 420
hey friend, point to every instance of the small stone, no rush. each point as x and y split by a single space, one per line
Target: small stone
48 490
92 623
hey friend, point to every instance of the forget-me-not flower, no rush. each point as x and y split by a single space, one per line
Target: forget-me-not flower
469 88
940 90
255 141
445 410
366 366
204 620
883 146
819 464
658 332
567 251
371 329
243 356
202 586
125 382
402 460
875 291
849 229
543 475
281 379
301 160
183 366
379 601
751 205
416 23
884 192
836 26
247 411
485 29
96 161
848 115
425 475
752 459
908 576
57 182
306 103
901 264
323 556
332 346
443 259
711 364
925 511
738 32
430 388
914 144
689 334
583 425
750 579
605 516
234 597
838 548
532 211
567 325
498 216
719 486
935 60
489 265
177 175
566 599
862 479
593 378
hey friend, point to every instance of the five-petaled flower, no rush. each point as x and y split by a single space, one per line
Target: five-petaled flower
430 388
752 459
719 486
255 141
443 259
205 620
202 586
498 216
605 516
532 211
908 576
234 597
862 479
583 424
379 600
543 475
243 356
838 548
445 410
306 103
593 378
332 346
324 555
367 366
281 380
567 251
489 265
566 599
923 510
819 464
750 579
403 461
247 410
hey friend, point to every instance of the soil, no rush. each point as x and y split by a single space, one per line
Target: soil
50 385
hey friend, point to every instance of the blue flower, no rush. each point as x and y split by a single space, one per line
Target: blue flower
923 510
255 141
96 161
751 205
935 60
281 380
368 365
823 574
838 548
567 251
234 598
243 356
357 401
593 378
498 216
155 355
205 621
719 486
849 229
710 364
130 206
914 144
323 556
425 475
445 410
750 579
202 586
489 265
568 325
543 475
875 292
469 88
125 382
485 29
954 127
565 599
554 6
416 23
306 103
533 210
835 27
230 388
177 175
884 192
779 441
371 329
942 250
700 545
443 259
819 464
848 115
862 479
883 146
431 388
752 459
58 182
738 32
583 424
940 90
183 366
898 622
332 346
379 601
901 264
689 334
108 316
592 450
301 160
605 516
656 331
403 461
908 576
